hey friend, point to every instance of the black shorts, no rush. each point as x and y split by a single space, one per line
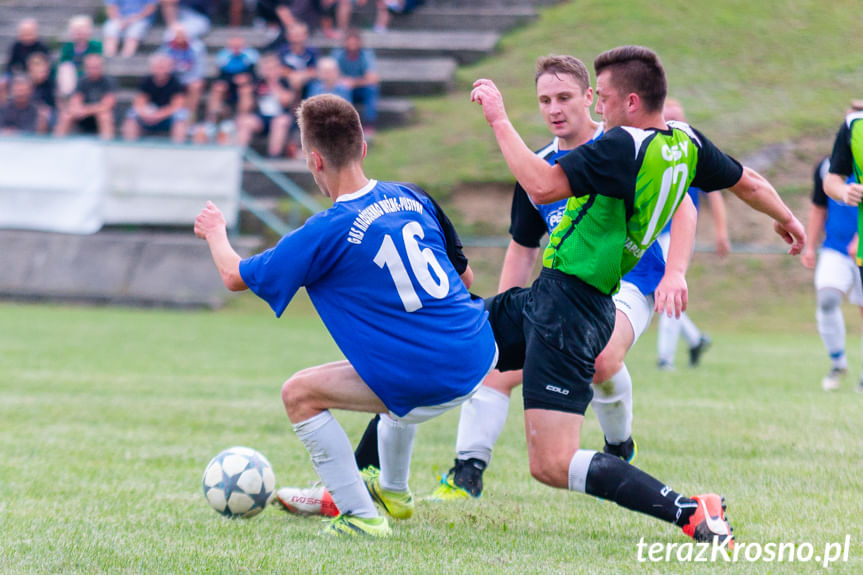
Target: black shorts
554 331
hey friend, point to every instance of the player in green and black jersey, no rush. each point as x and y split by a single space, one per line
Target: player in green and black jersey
622 190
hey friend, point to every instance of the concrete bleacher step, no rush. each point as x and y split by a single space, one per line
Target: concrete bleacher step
461 17
464 46
399 77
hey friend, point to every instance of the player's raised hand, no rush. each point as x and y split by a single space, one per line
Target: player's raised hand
210 219
793 233
486 94
853 194
671 295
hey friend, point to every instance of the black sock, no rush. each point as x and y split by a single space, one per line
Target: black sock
366 452
611 478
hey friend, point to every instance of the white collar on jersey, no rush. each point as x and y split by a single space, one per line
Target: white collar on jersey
554 146
359 193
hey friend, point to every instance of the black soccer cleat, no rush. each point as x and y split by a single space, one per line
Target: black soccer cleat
699 348
627 451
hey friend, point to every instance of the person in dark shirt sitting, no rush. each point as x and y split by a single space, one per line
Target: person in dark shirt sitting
159 105
91 107
20 114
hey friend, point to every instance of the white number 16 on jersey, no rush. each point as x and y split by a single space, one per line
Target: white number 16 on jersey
420 260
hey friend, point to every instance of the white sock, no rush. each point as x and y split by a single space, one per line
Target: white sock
480 423
666 343
831 325
612 403
333 458
395 445
578 467
690 331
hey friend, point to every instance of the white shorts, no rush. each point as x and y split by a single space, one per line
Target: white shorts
838 271
426 412
637 307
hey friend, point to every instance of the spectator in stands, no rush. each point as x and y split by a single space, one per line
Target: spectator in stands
129 20
359 69
274 14
20 115
236 64
42 80
159 105
72 53
329 80
26 43
194 15
298 58
270 112
337 15
190 59
91 107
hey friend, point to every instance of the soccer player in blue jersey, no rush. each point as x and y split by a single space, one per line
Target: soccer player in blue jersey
379 268
622 190
670 327
835 273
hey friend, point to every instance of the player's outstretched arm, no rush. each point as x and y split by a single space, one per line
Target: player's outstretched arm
671 295
836 187
814 227
760 195
210 226
543 183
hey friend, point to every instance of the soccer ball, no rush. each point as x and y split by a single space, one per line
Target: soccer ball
239 482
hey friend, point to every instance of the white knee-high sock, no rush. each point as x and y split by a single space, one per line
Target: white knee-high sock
578 467
612 403
395 445
691 333
480 423
831 325
333 458
667 336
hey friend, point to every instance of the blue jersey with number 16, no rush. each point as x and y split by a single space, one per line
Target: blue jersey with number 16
376 268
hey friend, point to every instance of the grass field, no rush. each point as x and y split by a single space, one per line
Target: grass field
108 417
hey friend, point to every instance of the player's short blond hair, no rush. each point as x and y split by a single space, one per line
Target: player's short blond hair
560 64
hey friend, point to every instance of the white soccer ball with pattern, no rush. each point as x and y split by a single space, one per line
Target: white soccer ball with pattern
239 482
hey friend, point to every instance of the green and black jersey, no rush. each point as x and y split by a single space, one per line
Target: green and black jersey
847 157
626 186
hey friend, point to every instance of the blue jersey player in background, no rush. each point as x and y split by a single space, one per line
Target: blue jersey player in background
670 328
378 267
836 271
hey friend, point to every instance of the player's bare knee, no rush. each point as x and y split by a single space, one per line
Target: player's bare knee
296 393
549 471
606 365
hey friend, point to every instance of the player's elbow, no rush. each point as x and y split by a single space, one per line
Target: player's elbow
233 280
544 193
749 186
467 277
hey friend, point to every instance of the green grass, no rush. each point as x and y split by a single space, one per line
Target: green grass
108 417
749 74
